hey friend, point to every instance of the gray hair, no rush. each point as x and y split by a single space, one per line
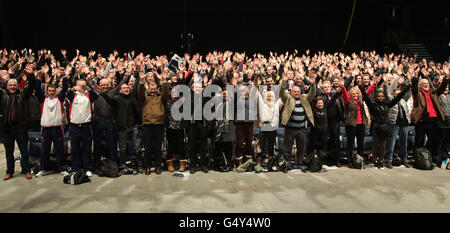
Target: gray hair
12 80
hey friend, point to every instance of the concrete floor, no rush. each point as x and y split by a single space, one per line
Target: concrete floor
342 190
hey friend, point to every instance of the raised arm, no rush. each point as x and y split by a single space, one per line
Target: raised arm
62 94
398 97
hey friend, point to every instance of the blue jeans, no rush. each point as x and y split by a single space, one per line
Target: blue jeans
402 133
10 135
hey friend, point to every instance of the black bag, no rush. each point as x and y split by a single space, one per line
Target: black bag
423 160
76 178
35 144
314 161
108 168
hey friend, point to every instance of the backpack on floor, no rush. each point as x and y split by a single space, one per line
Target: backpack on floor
108 168
314 161
423 160
75 178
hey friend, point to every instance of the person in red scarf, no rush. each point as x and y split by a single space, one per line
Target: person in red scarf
427 113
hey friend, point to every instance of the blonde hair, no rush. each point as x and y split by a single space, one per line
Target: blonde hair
355 90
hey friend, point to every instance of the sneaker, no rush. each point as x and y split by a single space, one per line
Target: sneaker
89 173
64 173
41 173
259 169
444 164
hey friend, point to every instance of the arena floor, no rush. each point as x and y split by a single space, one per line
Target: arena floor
342 190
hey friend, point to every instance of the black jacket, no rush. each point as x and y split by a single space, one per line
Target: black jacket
21 102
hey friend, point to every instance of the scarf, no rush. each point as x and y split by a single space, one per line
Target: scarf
12 110
430 108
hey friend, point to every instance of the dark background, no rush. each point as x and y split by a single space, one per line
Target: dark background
262 26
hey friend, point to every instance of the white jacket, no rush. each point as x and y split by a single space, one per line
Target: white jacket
269 113
81 109
52 112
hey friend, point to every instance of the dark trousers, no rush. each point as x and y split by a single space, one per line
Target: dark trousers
433 133
267 140
359 132
81 141
244 138
422 129
223 152
104 131
442 142
11 135
175 141
53 135
318 139
299 136
379 147
333 142
197 144
123 137
153 136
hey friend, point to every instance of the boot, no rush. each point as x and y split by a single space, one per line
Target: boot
170 166
182 166
238 161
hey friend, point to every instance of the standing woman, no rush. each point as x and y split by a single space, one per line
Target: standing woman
269 112
356 118
381 130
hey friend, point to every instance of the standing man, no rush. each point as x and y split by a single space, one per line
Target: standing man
13 117
427 113
126 118
153 112
52 124
80 118
297 111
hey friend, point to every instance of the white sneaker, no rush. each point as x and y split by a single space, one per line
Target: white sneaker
89 173
41 173
64 173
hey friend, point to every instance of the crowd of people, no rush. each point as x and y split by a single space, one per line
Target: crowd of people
116 103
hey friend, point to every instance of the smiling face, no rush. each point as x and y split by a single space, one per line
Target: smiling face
319 104
424 84
12 86
380 97
295 92
153 89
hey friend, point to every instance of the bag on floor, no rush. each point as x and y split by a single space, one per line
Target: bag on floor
35 144
423 160
108 168
76 178
356 161
314 161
